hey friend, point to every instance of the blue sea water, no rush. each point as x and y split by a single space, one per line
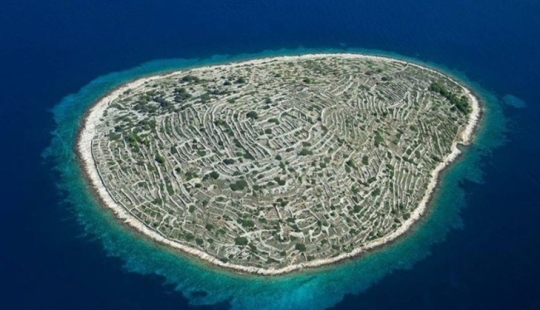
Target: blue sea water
478 248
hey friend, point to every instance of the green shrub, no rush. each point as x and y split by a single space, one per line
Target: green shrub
252 115
239 185
160 159
300 247
305 152
240 241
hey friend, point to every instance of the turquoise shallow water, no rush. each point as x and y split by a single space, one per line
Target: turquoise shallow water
312 289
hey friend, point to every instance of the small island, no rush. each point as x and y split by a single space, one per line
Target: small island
273 165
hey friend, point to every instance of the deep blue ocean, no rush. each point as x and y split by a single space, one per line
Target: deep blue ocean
478 248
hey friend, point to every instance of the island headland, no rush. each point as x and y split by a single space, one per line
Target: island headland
273 165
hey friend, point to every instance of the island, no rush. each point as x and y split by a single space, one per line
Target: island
274 165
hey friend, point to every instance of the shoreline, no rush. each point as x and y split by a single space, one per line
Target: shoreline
85 158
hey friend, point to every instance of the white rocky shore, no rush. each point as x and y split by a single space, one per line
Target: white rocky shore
87 160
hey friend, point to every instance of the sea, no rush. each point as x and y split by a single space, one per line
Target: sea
477 248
